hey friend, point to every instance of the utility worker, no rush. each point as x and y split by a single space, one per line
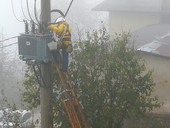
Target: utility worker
63 31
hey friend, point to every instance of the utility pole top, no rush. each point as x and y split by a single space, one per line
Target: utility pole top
45 16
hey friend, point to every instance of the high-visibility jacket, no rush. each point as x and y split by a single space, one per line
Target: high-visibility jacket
64 33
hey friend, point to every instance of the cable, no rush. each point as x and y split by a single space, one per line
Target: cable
14 12
23 11
33 66
8 38
35 12
59 11
8 45
29 13
68 8
41 76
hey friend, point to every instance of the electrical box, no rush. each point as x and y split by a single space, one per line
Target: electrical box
34 47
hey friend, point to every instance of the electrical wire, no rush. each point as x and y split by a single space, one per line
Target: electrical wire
38 80
35 11
8 45
23 11
41 76
61 13
68 8
14 12
29 13
8 38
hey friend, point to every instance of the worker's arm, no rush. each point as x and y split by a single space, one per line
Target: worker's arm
58 29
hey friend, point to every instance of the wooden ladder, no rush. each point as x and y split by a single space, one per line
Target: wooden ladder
70 105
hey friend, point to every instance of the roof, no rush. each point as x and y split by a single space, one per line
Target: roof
154 39
132 5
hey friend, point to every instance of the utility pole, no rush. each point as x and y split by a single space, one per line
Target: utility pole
46 86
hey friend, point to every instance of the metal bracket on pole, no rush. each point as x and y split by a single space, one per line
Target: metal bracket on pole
39 77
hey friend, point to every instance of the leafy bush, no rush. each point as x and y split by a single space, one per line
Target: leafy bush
110 81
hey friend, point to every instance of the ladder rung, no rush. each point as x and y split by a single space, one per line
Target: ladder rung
69 105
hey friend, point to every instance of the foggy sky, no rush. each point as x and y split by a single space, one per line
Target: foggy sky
80 14
10 26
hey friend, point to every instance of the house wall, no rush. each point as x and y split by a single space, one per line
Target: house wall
130 21
161 76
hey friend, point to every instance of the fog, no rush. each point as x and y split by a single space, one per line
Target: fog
80 17
80 13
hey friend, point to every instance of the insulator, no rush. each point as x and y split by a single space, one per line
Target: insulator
33 27
26 27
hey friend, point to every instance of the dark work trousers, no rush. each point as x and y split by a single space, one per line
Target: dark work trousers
57 57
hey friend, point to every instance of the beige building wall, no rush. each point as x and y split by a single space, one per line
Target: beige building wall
161 76
130 21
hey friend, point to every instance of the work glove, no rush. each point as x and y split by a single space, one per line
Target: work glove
52 27
59 43
69 48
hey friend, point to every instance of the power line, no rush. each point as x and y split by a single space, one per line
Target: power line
68 8
30 13
8 38
35 11
8 45
61 13
23 11
14 12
